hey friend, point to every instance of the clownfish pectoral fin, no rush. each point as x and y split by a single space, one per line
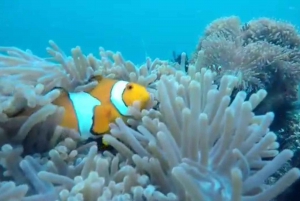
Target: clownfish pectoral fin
101 120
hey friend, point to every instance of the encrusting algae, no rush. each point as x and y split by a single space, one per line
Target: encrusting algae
197 144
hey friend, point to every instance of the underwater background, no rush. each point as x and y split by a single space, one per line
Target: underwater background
135 28
242 57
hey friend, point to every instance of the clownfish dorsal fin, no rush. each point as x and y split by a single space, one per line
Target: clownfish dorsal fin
59 88
98 78
60 99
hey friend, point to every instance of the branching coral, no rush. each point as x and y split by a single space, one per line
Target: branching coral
197 145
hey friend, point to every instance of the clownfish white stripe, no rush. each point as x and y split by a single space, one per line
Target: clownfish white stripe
83 104
116 97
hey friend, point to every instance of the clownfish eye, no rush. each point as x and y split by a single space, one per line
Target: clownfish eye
129 86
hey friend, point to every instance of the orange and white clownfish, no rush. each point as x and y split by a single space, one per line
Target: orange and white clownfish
90 113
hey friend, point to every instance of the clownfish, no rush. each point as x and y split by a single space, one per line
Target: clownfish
90 113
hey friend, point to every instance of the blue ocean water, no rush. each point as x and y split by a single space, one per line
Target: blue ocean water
136 28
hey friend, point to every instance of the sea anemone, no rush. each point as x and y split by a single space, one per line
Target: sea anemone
263 54
189 148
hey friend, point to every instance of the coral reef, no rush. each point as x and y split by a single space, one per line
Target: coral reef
264 54
197 144
259 53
